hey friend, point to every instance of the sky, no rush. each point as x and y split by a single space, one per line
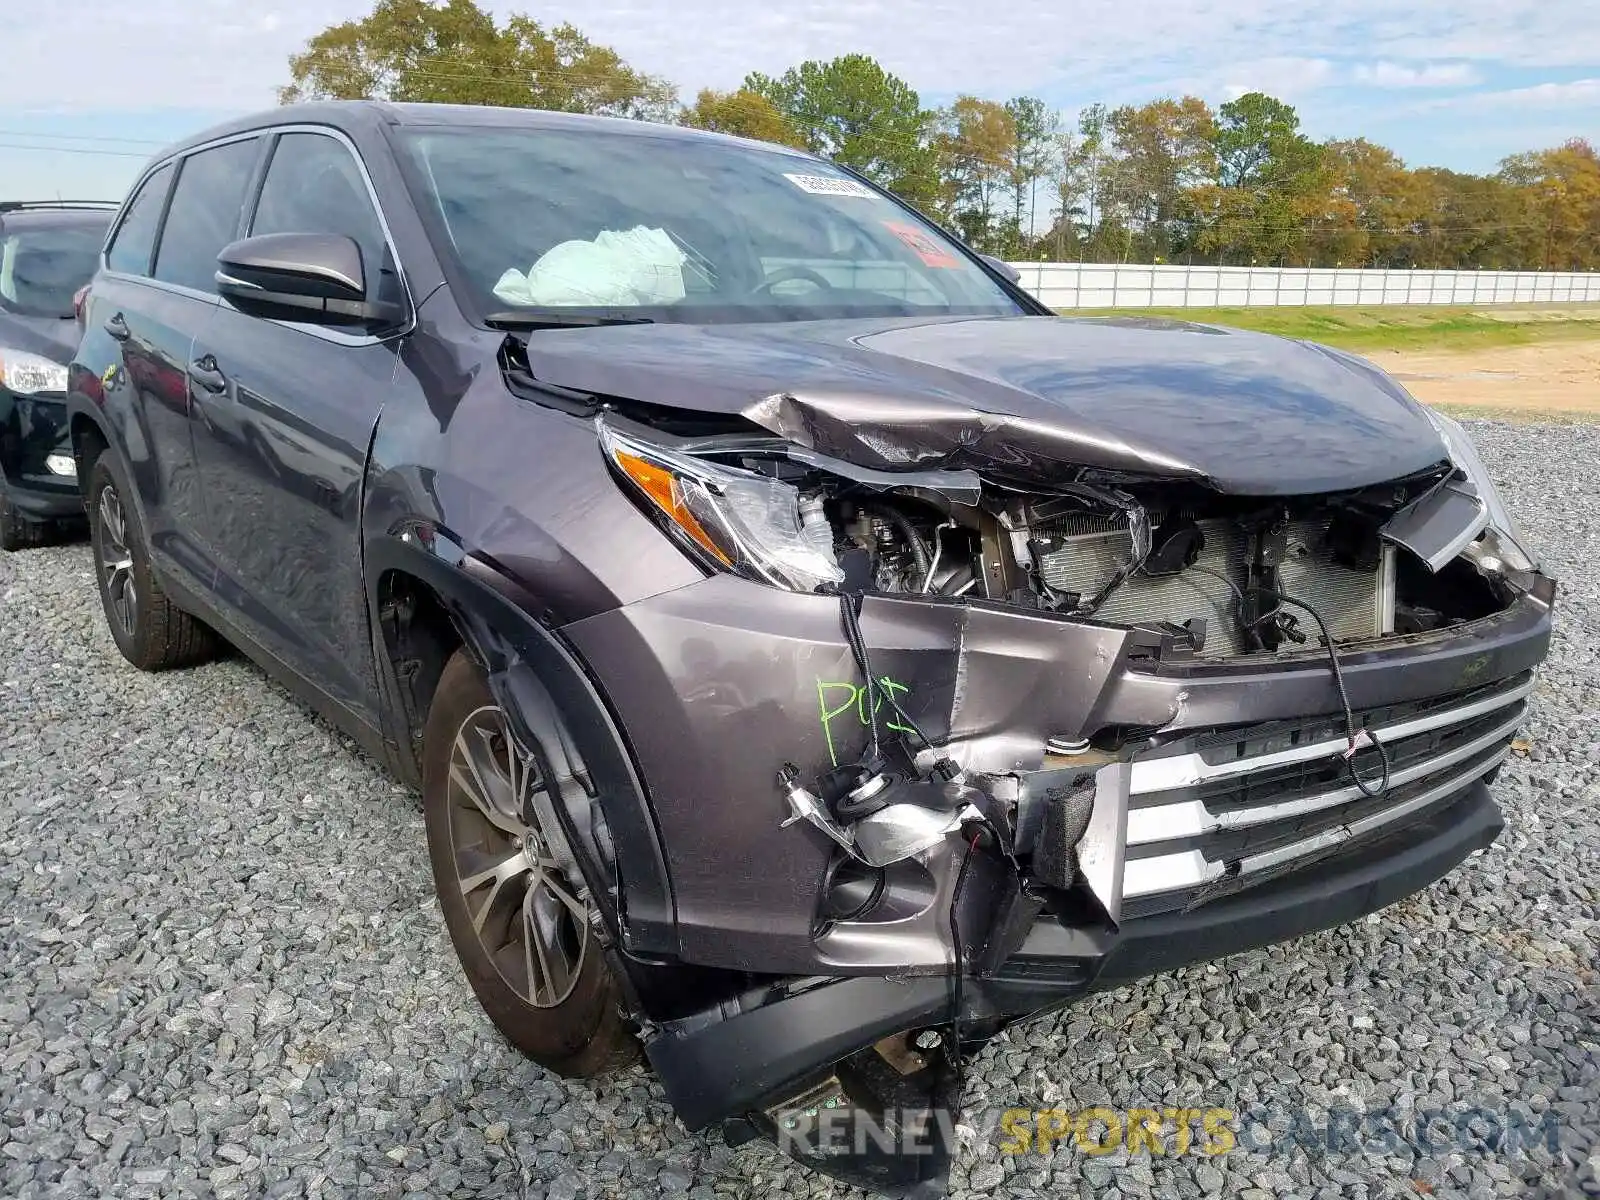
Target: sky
90 88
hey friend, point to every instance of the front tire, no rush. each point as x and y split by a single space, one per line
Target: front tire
152 633
520 927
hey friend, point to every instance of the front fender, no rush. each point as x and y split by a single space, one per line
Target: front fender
551 702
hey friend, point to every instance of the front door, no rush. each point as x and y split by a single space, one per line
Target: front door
285 414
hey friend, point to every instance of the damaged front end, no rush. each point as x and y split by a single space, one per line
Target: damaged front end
979 744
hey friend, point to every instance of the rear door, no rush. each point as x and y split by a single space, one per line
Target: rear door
286 413
135 353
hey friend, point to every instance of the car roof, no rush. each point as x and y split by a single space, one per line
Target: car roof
56 214
353 116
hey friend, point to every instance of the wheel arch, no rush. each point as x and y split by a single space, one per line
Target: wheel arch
90 440
427 597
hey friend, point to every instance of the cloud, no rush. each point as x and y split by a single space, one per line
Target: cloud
1570 96
1428 75
1549 95
1285 78
211 54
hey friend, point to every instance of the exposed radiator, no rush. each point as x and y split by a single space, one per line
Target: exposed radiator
1082 553
1087 551
1355 604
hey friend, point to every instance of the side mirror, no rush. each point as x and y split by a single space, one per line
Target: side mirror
318 278
1002 266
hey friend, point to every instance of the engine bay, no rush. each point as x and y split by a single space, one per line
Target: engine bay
1218 576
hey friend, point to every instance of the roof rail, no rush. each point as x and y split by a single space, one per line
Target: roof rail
23 205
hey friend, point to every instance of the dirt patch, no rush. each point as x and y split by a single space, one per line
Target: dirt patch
1559 377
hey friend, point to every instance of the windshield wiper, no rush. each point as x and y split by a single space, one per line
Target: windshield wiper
533 319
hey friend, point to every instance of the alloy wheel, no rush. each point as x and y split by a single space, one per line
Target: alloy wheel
529 918
116 562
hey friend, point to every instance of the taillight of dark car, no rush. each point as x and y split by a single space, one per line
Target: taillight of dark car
79 299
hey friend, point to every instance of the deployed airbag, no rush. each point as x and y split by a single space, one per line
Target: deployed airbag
634 267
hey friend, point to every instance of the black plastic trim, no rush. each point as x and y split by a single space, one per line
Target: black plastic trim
39 505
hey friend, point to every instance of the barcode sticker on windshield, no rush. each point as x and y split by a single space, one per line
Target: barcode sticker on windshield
831 185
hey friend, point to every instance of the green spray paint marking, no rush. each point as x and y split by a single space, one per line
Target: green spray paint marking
850 697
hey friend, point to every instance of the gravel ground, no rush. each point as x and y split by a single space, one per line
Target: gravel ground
222 970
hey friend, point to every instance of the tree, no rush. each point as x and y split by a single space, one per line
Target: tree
1259 143
1470 221
972 140
1562 187
1374 203
853 111
1160 151
1083 169
1033 131
1270 181
453 52
742 113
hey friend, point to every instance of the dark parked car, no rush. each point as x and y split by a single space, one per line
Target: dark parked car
48 251
813 655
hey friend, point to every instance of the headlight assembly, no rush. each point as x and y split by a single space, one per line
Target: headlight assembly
28 374
730 519
1503 544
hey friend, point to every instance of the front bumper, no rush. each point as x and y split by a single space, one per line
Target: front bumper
32 429
1233 828
746 1062
718 684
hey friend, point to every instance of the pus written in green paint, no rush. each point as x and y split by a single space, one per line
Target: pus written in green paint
836 701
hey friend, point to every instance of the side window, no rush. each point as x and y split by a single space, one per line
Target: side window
204 214
314 186
136 236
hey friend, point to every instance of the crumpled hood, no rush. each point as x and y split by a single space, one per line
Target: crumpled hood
1020 398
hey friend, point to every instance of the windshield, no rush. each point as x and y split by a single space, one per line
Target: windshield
41 268
679 229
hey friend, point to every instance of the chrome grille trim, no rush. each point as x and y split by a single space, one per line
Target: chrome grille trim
1261 813
1189 770
1191 868
1191 818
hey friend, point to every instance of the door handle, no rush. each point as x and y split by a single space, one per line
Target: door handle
207 374
118 328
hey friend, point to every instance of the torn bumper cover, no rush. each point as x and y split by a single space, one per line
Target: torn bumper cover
1231 825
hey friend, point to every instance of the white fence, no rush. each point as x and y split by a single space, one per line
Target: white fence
1109 285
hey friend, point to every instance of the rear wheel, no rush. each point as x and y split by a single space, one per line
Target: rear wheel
520 925
152 633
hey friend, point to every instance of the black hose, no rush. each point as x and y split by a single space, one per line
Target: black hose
919 550
858 651
1344 699
958 968
875 686
1372 793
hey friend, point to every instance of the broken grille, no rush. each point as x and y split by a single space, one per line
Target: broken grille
1242 808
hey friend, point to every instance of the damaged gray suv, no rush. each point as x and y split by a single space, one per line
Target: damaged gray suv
813 655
